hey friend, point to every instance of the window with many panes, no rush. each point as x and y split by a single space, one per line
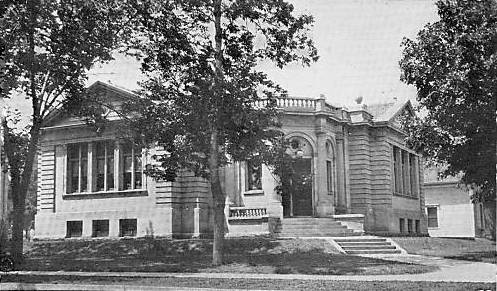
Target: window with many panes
104 166
132 167
405 172
77 167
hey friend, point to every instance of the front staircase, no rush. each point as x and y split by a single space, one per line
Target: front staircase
310 227
366 246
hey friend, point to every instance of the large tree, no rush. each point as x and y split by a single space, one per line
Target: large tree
453 64
49 45
205 102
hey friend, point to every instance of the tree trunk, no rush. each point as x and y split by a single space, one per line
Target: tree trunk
16 248
20 175
219 222
489 217
216 190
218 200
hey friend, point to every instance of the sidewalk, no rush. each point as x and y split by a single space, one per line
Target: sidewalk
450 271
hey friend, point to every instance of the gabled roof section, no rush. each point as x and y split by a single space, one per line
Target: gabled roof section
113 94
390 111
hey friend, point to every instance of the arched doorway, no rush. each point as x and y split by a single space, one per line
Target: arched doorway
297 199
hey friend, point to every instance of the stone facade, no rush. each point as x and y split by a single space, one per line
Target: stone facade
356 161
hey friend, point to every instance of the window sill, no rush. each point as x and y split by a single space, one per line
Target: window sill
254 192
106 194
406 196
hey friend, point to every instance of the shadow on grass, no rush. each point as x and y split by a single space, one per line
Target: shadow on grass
481 256
242 255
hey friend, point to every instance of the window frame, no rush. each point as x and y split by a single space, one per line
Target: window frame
70 234
95 229
405 172
113 153
122 223
249 187
437 210
69 170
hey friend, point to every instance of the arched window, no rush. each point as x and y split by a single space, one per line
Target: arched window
330 169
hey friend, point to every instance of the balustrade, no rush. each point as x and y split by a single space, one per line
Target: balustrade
247 212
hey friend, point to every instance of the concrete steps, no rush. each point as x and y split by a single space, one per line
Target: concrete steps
311 227
360 246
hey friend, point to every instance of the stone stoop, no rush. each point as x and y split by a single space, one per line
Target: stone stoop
367 246
311 227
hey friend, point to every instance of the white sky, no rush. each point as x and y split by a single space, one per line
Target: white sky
358 43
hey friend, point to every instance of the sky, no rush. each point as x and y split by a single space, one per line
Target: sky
358 42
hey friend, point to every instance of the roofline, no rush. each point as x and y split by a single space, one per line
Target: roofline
120 91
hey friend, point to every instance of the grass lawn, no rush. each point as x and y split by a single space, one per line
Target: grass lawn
315 285
242 255
479 249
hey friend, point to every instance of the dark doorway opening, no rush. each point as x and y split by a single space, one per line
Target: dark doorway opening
298 200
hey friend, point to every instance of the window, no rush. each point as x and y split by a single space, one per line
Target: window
127 227
401 225
104 166
100 228
432 216
413 174
409 225
329 176
77 168
405 172
74 229
417 226
132 167
330 169
254 175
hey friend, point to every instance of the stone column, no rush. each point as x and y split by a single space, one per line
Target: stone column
346 170
273 200
323 201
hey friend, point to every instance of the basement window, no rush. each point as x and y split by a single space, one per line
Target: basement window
409 226
100 228
74 228
127 227
401 225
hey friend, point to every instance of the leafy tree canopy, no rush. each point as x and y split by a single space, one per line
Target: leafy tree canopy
453 64
205 101
188 96
47 48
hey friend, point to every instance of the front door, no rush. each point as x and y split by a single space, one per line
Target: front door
298 202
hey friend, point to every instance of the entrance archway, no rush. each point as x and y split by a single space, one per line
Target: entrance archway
297 199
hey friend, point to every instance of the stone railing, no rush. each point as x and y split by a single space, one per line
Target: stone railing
302 104
293 102
247 212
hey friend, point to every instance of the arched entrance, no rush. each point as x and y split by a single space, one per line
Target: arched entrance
297 199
